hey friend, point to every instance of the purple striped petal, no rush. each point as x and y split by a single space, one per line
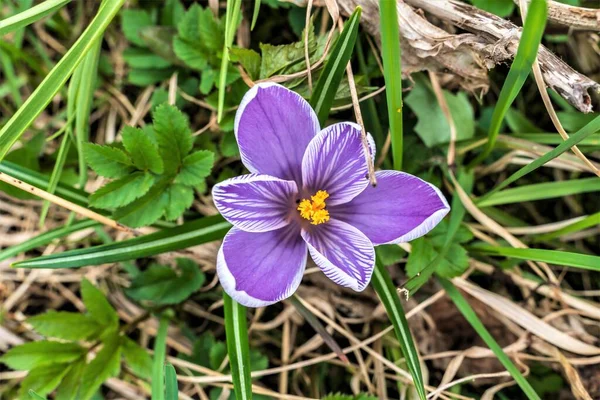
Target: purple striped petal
399 209
273 126
335 161
342 252
258 269
255 203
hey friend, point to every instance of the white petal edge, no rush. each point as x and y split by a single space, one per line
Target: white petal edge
335 273
249 178
228 282
429 223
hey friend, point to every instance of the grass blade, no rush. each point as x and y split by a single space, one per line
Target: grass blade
333 72
255 14
387 294
577 137
33 395
56 79
392 72
568 259
30 16
189 234
172 390
46 237
465 308
238 349
533 30
160 352
541 191
587 222
231 23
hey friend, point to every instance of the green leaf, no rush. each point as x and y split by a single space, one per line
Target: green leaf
33 395
65 325
190 53
573 121
335 67
566 258
279 59
517 122
159 40
107 364
143 151
46 237
389 297
122 191
137 358
228 145
465 308
56 79
108 161
390 254
207 80
160 350
70 385
249 59
142 58
171 387
98 306
533 30
35 354
502 8
146 210
172 13
188 26
217 354
149 76
161 284
173 135
30 15
189 234
454 262
196 167
392 72
236 332
541 191
210 31
432 126
44 379
201 350
132 22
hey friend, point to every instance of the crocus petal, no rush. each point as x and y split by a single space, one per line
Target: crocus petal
399 209
258 269
335 161
342 252
255 203
273 126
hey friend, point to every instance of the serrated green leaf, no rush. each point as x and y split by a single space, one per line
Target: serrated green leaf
35 354
454 263
108 161
107 364
187 27
69 387
390 254
173 135
211 33
207 80
143 151
228 145
433 127
176 199
159 40
249 59
196 167
142 58
122 191
65 325
190 53
98 306
44 379
161 284
132 22
137 359
172 13
278 59
201 350
145 210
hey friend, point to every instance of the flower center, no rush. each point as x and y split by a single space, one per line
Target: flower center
314 209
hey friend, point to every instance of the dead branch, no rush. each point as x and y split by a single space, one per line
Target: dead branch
573 17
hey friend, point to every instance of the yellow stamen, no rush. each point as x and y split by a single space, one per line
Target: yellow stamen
314 210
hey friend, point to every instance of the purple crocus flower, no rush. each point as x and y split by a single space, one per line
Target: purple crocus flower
308 190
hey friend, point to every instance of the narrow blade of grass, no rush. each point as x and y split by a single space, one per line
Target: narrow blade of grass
46 237
189 234
386 291
30 16
577 137
392 72
565 258
238 349
333 72
231 23
533 30
588 222
33 395
541 191
171 388
465 308
160 352
56 79
255 14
